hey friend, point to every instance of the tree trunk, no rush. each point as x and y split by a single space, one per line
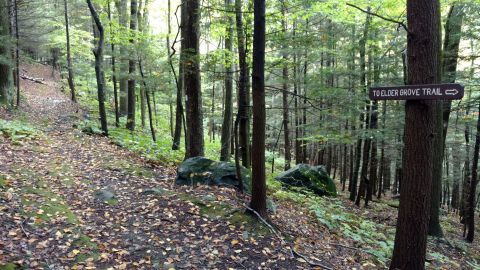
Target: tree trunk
366 115
226 139
122 7
286 129
179 82
194 114
243 91
17 53
114 69
147 97
98 52
473 186
5 67
131 70
259 188
423 68
71 82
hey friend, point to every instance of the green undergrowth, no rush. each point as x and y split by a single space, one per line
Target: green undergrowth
17 131
375 239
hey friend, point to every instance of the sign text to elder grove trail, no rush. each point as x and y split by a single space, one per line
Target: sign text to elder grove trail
445 91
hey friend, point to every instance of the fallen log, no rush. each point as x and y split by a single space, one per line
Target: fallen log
36 80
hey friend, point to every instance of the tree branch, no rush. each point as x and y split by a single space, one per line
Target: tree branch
402 24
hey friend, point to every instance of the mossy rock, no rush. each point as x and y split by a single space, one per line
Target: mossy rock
314 178
203 171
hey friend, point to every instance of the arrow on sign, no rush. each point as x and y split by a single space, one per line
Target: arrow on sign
451 92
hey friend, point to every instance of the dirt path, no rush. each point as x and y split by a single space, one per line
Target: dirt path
52 218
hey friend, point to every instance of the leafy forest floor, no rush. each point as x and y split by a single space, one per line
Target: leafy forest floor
73 201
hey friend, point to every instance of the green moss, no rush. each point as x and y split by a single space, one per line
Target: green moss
8 266
17 130
249 223
3 181
112 201
84 241
89 248
52 206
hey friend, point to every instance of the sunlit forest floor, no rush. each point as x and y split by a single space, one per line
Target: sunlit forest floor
74 201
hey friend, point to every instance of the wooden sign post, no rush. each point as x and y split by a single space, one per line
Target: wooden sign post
446 91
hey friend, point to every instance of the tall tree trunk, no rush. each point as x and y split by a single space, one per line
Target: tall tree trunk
473 186
423 68
98 52
17 53
142 18
194 114
122 7
366 115
383 163
449 65
226 139
5 67
286 129
147 97
71 82
114 69
179 117
259 189
243 91
131 69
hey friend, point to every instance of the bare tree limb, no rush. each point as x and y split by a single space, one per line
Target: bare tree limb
402 24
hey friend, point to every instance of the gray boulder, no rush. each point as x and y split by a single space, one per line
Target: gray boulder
314 178
203 171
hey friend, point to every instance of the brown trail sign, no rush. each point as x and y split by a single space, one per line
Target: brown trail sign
446 91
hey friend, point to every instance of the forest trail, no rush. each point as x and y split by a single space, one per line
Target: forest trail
52 215
69 200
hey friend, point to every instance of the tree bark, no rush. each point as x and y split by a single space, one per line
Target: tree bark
191 49
366 115
114 69
98 52
131 99
423 51
179 82
122 7
5 67
259 189
17 53
226 139
286 128
470 208
243 91
71 82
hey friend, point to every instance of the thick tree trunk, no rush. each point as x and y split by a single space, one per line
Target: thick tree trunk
98 52
226 139
71 82
259 189
194 113
423 68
